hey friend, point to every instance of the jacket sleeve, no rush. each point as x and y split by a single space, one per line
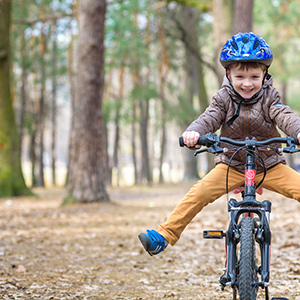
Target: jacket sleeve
213 117
283 116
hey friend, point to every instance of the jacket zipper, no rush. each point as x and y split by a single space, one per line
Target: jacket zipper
246 121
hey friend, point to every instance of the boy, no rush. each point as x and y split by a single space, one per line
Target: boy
247 105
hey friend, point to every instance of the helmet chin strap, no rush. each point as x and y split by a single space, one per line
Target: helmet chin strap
237 113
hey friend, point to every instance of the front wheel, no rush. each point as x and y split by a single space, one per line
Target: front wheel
234 294
247 275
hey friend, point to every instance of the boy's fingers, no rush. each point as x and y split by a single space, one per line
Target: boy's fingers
190 138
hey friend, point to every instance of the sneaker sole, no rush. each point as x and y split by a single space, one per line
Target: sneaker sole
145 242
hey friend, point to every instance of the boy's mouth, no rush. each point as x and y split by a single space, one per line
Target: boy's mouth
247 91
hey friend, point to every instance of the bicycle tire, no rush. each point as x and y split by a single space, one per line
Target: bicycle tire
234 294
247 276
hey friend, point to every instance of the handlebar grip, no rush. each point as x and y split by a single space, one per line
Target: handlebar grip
181 142
203 141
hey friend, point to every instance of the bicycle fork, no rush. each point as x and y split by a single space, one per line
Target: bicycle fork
262 237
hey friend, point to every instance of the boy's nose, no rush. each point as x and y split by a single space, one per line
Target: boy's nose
247 82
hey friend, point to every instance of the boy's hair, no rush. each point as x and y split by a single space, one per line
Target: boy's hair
247 65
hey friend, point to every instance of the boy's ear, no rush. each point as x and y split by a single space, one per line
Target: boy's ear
265 72
228 74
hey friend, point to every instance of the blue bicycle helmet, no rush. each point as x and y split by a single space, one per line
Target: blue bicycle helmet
246 47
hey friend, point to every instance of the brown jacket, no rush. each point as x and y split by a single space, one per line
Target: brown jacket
257 118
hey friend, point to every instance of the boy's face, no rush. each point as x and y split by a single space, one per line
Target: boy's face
246 82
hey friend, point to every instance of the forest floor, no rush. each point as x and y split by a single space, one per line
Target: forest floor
92 251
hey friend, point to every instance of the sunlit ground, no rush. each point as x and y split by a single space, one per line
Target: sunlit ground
92 251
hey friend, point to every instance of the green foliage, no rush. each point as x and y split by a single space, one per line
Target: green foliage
111 106
32 22
183 112
144 91
203 5
129 40
278 22
132 42
126 34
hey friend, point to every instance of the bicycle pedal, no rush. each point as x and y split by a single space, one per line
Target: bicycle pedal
213 234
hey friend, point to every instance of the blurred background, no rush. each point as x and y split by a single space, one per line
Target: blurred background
160 70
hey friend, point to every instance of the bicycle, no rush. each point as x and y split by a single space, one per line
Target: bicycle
249 219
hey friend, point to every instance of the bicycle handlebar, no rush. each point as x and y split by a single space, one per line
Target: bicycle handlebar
212 140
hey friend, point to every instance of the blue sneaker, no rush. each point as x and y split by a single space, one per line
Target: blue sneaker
153 242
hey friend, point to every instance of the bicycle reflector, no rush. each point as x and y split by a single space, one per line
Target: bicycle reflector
213 234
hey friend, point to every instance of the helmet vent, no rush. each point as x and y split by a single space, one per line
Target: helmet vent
234 45
256 44
245 40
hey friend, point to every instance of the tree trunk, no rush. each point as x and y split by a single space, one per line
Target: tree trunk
119 100
284 88
32 154
146 175
203 102
196 76
54 88
72 76
133 143
86 183
222 27
32 108
164 67
162 146
189 21
11 178
243 16
146 171
23 93
41 113
116 161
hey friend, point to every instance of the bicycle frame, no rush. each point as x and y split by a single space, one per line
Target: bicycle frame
248 206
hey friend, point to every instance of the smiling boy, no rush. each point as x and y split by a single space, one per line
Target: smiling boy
246 82
247 105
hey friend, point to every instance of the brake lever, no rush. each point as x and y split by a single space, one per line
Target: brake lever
201 151
291 143
290 149
214 149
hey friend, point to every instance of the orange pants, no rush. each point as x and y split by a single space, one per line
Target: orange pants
280 178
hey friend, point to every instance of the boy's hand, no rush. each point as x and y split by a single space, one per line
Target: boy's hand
190 139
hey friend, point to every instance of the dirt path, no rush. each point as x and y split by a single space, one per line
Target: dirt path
92 251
